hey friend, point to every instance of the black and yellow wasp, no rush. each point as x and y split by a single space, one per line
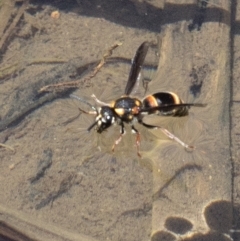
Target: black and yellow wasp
128 109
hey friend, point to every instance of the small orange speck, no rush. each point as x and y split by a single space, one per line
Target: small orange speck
135 110
55 15
12 166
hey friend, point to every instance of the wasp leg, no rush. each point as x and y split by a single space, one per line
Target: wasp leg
138 139
122 132
88 112
168 134
99 101
75 117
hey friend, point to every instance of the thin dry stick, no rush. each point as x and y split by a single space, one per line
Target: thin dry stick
7 35
7 147
76 83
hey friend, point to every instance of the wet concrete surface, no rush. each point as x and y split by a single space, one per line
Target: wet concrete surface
62 183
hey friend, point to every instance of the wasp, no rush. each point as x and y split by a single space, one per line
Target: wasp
129 110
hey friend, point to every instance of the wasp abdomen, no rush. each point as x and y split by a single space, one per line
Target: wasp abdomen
165 98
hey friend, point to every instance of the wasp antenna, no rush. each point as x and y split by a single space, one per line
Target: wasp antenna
91 126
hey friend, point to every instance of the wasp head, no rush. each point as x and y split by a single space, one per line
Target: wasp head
104 119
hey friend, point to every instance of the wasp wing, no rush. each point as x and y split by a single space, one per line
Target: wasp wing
136 67
167 106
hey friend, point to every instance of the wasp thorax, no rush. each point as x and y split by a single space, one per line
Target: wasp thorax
127 107
105 118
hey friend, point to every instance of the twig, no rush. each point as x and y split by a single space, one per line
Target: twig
7 147
10 31
76 83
